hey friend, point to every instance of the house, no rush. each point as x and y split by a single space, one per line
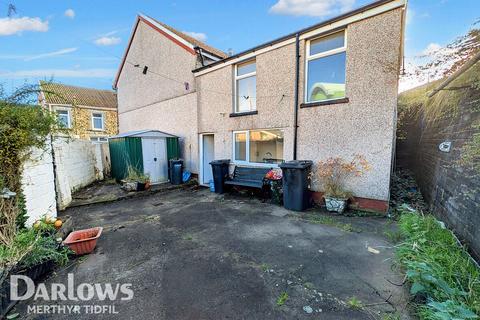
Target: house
90 114
329 90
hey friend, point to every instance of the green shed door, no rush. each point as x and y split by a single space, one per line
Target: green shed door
173 148
125 152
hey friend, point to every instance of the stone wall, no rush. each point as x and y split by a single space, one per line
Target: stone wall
82 123
452 189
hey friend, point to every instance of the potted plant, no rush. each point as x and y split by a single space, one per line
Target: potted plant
136 180
333 174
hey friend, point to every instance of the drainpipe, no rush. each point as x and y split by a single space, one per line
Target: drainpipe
297 77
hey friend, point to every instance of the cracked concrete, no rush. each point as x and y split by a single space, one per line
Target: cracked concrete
191 254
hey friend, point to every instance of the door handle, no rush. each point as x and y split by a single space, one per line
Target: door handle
154 159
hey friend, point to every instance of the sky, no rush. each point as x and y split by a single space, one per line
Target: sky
81 42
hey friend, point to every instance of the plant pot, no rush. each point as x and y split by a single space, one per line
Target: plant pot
83 241
335 204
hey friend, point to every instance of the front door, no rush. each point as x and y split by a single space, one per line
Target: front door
154 153
207 157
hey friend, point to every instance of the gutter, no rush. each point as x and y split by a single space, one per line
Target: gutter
297 80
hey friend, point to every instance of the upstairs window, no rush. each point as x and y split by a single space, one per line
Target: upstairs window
97 121
63 117
245 87
325 68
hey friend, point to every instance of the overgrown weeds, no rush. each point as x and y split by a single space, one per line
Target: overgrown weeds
443 278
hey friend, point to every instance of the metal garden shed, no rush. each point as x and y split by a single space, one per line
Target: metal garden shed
148 151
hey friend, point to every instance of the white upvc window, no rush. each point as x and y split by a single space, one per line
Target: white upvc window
97 121
325 67
257 147
99 139
245 87
63 117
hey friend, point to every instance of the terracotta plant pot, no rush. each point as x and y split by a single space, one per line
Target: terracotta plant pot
335 204
83 241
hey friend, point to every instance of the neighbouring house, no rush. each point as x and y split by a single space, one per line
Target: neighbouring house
89 114
329 90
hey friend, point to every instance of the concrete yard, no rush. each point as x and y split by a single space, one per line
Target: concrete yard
191 254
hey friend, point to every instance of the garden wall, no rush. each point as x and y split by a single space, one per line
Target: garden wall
449 184
38 185
78 163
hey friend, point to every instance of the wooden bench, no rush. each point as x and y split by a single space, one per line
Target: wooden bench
253 177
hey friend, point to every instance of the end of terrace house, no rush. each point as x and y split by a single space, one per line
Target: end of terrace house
329 90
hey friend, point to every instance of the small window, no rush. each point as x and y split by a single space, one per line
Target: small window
240 146
98 139
325 65
245 87
259 146
97 121
63 117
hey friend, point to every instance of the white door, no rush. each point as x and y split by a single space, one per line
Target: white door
154 151
207 157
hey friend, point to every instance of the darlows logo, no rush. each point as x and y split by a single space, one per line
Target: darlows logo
69 291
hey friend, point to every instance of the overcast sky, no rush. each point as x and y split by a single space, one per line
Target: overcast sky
81 42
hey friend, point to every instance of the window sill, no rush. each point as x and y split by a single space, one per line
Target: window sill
241 114
323 103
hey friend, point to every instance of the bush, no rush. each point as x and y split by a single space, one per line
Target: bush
31 247
438 269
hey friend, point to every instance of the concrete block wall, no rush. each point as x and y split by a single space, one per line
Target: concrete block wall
78 164
38 185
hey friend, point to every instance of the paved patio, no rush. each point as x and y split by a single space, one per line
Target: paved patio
191 254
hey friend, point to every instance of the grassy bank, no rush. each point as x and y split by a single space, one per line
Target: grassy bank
444 280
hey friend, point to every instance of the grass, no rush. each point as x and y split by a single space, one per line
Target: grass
282 298
188 237
329 221
393 236
354 303
438 269
265 267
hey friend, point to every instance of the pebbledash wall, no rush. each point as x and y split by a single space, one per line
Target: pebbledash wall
153 101
365 125
78 163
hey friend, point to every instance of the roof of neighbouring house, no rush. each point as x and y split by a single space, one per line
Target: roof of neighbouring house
195 42
57 93
149 133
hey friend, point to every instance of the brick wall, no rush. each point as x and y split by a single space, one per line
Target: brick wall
452 190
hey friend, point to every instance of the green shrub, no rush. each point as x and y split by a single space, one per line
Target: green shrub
31 247
438 269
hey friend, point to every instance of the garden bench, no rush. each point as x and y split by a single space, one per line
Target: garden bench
252 177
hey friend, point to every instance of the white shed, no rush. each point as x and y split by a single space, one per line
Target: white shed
147 150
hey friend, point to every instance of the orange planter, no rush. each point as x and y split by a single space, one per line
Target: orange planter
83 241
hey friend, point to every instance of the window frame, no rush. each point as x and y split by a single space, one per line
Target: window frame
69 116
93 122
236 77
247 149
324 54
